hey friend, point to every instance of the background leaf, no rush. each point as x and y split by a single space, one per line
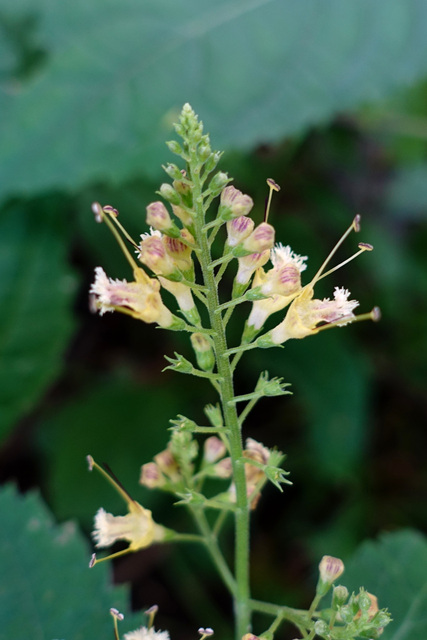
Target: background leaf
36 292
115 76
394 568
58 597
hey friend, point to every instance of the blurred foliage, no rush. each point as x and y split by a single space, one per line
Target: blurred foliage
329 100
38 602
396 567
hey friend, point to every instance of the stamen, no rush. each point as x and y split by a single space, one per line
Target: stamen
273 187
374 315
112 480
151 612
363 246
116 616
94 560
355 226
356 223
97 210
119 239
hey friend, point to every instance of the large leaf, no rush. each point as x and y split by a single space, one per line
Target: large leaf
395 570
116 75
36 289
47 590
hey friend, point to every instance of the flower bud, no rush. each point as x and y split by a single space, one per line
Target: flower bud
214 449
261 239
152 253
214 415
203 350
158 217
168 193
223 468
339 596
173 171
234 203
151 476
238 229
212 161
183 215
330 569
167 465
320 628
203 152
175 147
218 183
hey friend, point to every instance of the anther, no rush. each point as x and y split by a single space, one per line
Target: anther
205 633
97 210
111 210
271 183
365 246
356 223
92 561
90 462
116 614
376 314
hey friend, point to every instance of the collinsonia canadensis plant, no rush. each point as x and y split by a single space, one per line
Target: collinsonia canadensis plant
268 276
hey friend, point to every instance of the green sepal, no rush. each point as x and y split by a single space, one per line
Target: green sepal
214 415
265 388
182 423
273 472
179 363
182 365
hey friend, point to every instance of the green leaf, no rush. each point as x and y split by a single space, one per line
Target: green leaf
115 77
394 569
47 590
36 292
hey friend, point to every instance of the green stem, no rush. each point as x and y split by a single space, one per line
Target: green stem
213 548
298 617
241 564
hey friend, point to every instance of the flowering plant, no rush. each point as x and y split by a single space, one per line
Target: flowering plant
174 251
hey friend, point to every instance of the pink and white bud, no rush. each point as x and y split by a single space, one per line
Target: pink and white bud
179 251
151 476
330 569
238 229
249 264
223 468
152 253
234 203
214 449
158 216
261 239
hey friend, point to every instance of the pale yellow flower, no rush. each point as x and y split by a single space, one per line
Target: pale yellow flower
136 527
140 299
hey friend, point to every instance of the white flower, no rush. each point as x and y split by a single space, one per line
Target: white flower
140 299
146 634
137 527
